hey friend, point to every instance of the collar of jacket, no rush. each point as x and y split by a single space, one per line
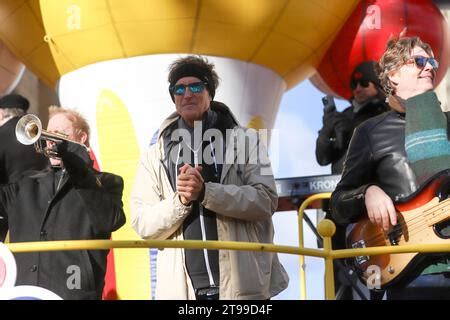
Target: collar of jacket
43 177
41 173
379 99
215 106
396 103
10 123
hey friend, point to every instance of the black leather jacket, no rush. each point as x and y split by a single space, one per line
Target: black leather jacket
376 156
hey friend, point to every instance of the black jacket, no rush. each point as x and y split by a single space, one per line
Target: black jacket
79 210
376 155
16 158
328 149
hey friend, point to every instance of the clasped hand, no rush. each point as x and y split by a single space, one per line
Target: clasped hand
190 183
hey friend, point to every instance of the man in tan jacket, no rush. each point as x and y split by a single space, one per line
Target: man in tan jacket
207 178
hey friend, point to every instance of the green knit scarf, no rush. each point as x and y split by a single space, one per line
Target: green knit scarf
427 147
426 142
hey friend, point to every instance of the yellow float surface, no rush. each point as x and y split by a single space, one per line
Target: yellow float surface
288 36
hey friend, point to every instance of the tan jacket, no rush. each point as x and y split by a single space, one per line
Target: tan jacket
244 202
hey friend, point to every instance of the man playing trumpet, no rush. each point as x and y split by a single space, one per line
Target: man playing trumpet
68 201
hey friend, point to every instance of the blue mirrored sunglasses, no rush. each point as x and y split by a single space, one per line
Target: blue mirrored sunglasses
422 61
180 89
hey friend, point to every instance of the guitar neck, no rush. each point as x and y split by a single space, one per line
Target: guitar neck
437 212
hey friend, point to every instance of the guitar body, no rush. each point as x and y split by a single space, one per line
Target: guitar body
418 219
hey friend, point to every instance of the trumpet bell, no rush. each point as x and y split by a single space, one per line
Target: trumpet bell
28 129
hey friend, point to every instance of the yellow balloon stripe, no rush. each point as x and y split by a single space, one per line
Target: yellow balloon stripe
256 123
119 154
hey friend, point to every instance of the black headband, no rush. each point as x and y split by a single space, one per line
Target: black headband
193 70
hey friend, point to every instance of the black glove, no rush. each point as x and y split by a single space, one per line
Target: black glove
343 131
75 158
337 127
329 122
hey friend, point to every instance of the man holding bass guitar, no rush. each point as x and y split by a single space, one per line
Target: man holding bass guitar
396 165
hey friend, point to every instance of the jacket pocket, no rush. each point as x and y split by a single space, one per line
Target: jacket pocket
257 233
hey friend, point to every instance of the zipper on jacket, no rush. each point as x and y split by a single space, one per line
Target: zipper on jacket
205 251
203 229
201 216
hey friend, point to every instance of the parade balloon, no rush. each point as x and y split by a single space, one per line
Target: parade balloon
365 34
11 70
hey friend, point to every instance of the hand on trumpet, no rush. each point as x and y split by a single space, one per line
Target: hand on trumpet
75 157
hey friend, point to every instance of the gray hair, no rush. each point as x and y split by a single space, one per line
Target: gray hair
13 112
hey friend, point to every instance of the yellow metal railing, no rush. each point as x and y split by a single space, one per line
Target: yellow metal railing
326 229
301 243
21 247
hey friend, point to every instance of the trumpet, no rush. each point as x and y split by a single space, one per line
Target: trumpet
29 131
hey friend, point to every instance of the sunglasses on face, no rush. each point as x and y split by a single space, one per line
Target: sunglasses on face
422 61
180 89
362 83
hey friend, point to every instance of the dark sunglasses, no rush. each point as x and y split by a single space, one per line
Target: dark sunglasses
180 89
362 83
422 61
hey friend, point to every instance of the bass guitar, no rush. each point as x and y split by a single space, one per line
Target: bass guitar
420 219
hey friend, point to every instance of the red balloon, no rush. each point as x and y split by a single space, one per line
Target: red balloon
366 32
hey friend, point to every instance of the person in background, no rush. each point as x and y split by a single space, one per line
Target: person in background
368 100
15 158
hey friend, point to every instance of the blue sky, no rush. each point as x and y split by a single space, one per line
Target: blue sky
298 120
